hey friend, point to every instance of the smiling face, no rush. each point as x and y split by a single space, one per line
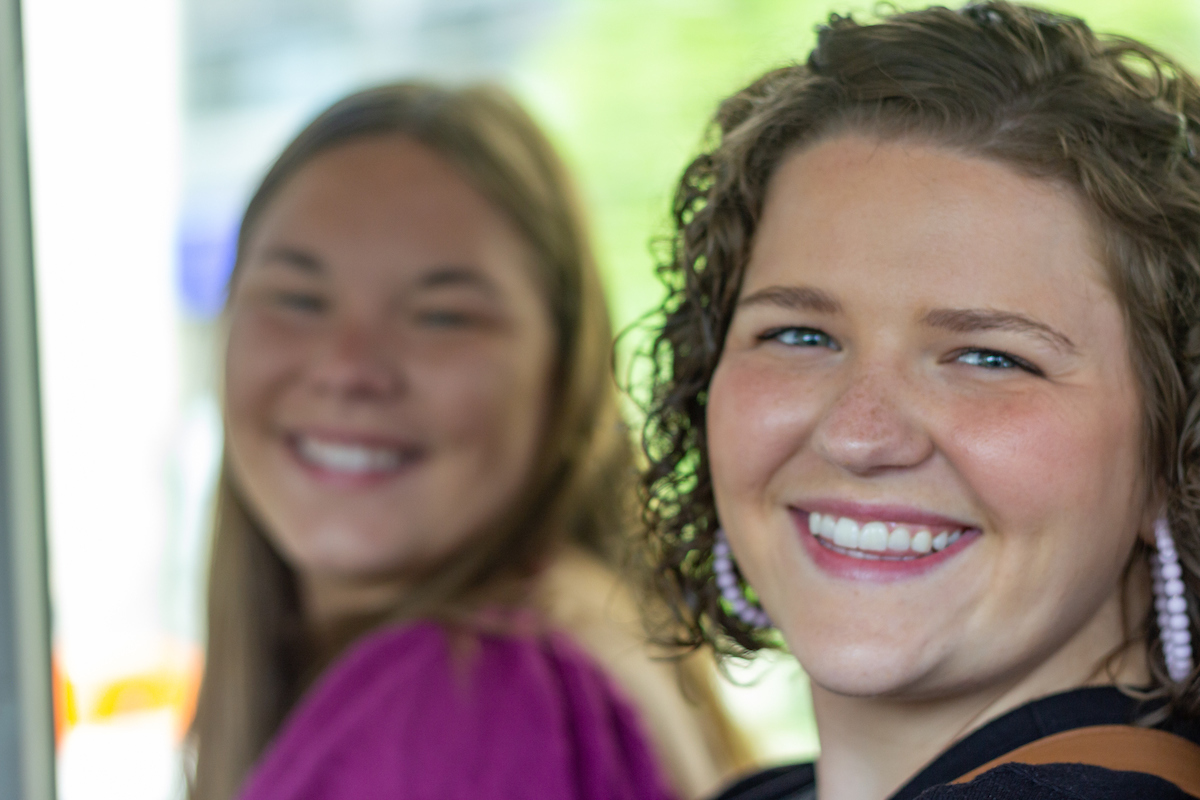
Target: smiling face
389 365
926 365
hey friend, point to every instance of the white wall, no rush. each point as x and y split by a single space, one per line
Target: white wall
105 110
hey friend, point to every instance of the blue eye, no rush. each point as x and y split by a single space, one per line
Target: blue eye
987 359
992 359
800 337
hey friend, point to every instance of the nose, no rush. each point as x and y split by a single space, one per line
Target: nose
873 426
356 363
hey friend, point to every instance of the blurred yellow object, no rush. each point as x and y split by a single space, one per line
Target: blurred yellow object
171 686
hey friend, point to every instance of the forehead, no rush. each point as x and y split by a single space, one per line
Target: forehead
905 222
387 198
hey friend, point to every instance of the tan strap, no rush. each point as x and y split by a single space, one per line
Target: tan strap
1119 747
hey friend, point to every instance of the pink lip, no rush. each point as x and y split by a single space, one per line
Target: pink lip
350 480
847 567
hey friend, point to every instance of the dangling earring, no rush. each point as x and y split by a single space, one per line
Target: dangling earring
1169 602
727 581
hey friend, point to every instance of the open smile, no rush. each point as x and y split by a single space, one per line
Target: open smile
349 459
858 546
880 539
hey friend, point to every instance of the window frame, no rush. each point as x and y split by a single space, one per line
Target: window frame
26 704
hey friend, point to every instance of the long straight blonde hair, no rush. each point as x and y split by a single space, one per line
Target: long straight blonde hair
258 658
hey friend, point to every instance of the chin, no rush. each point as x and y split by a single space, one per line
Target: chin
350 567
857 680
337 550
864 668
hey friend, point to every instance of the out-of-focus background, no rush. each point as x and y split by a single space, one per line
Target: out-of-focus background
151 121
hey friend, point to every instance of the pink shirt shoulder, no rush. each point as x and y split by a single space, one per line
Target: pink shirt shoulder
403 717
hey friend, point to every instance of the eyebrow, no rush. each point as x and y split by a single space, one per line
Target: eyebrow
971 320
798 298
958 320
456 275
298 259
450 275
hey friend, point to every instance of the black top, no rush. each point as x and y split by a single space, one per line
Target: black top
1080 708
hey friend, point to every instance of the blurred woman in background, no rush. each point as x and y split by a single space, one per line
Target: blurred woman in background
426 485
928 391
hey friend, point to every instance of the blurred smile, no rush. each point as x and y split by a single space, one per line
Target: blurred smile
351 460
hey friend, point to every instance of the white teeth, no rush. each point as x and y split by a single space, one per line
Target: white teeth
828 524
863 540
898 540
921 542
350 458
873 536
846 533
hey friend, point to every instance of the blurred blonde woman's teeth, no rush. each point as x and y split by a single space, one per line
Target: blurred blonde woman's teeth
879 539
349 458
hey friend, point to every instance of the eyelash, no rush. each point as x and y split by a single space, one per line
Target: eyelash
1013 362
807 336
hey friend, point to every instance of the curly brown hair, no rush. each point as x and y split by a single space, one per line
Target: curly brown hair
1034 90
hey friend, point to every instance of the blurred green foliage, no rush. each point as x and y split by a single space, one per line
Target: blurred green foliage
627 86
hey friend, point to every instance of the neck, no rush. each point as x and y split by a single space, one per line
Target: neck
337 611
871 746
332 607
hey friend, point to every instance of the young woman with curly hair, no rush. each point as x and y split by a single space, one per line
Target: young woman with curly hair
927 402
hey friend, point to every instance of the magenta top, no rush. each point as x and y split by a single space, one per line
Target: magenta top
400 717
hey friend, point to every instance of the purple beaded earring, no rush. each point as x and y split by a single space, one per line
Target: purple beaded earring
1171 605
727 581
